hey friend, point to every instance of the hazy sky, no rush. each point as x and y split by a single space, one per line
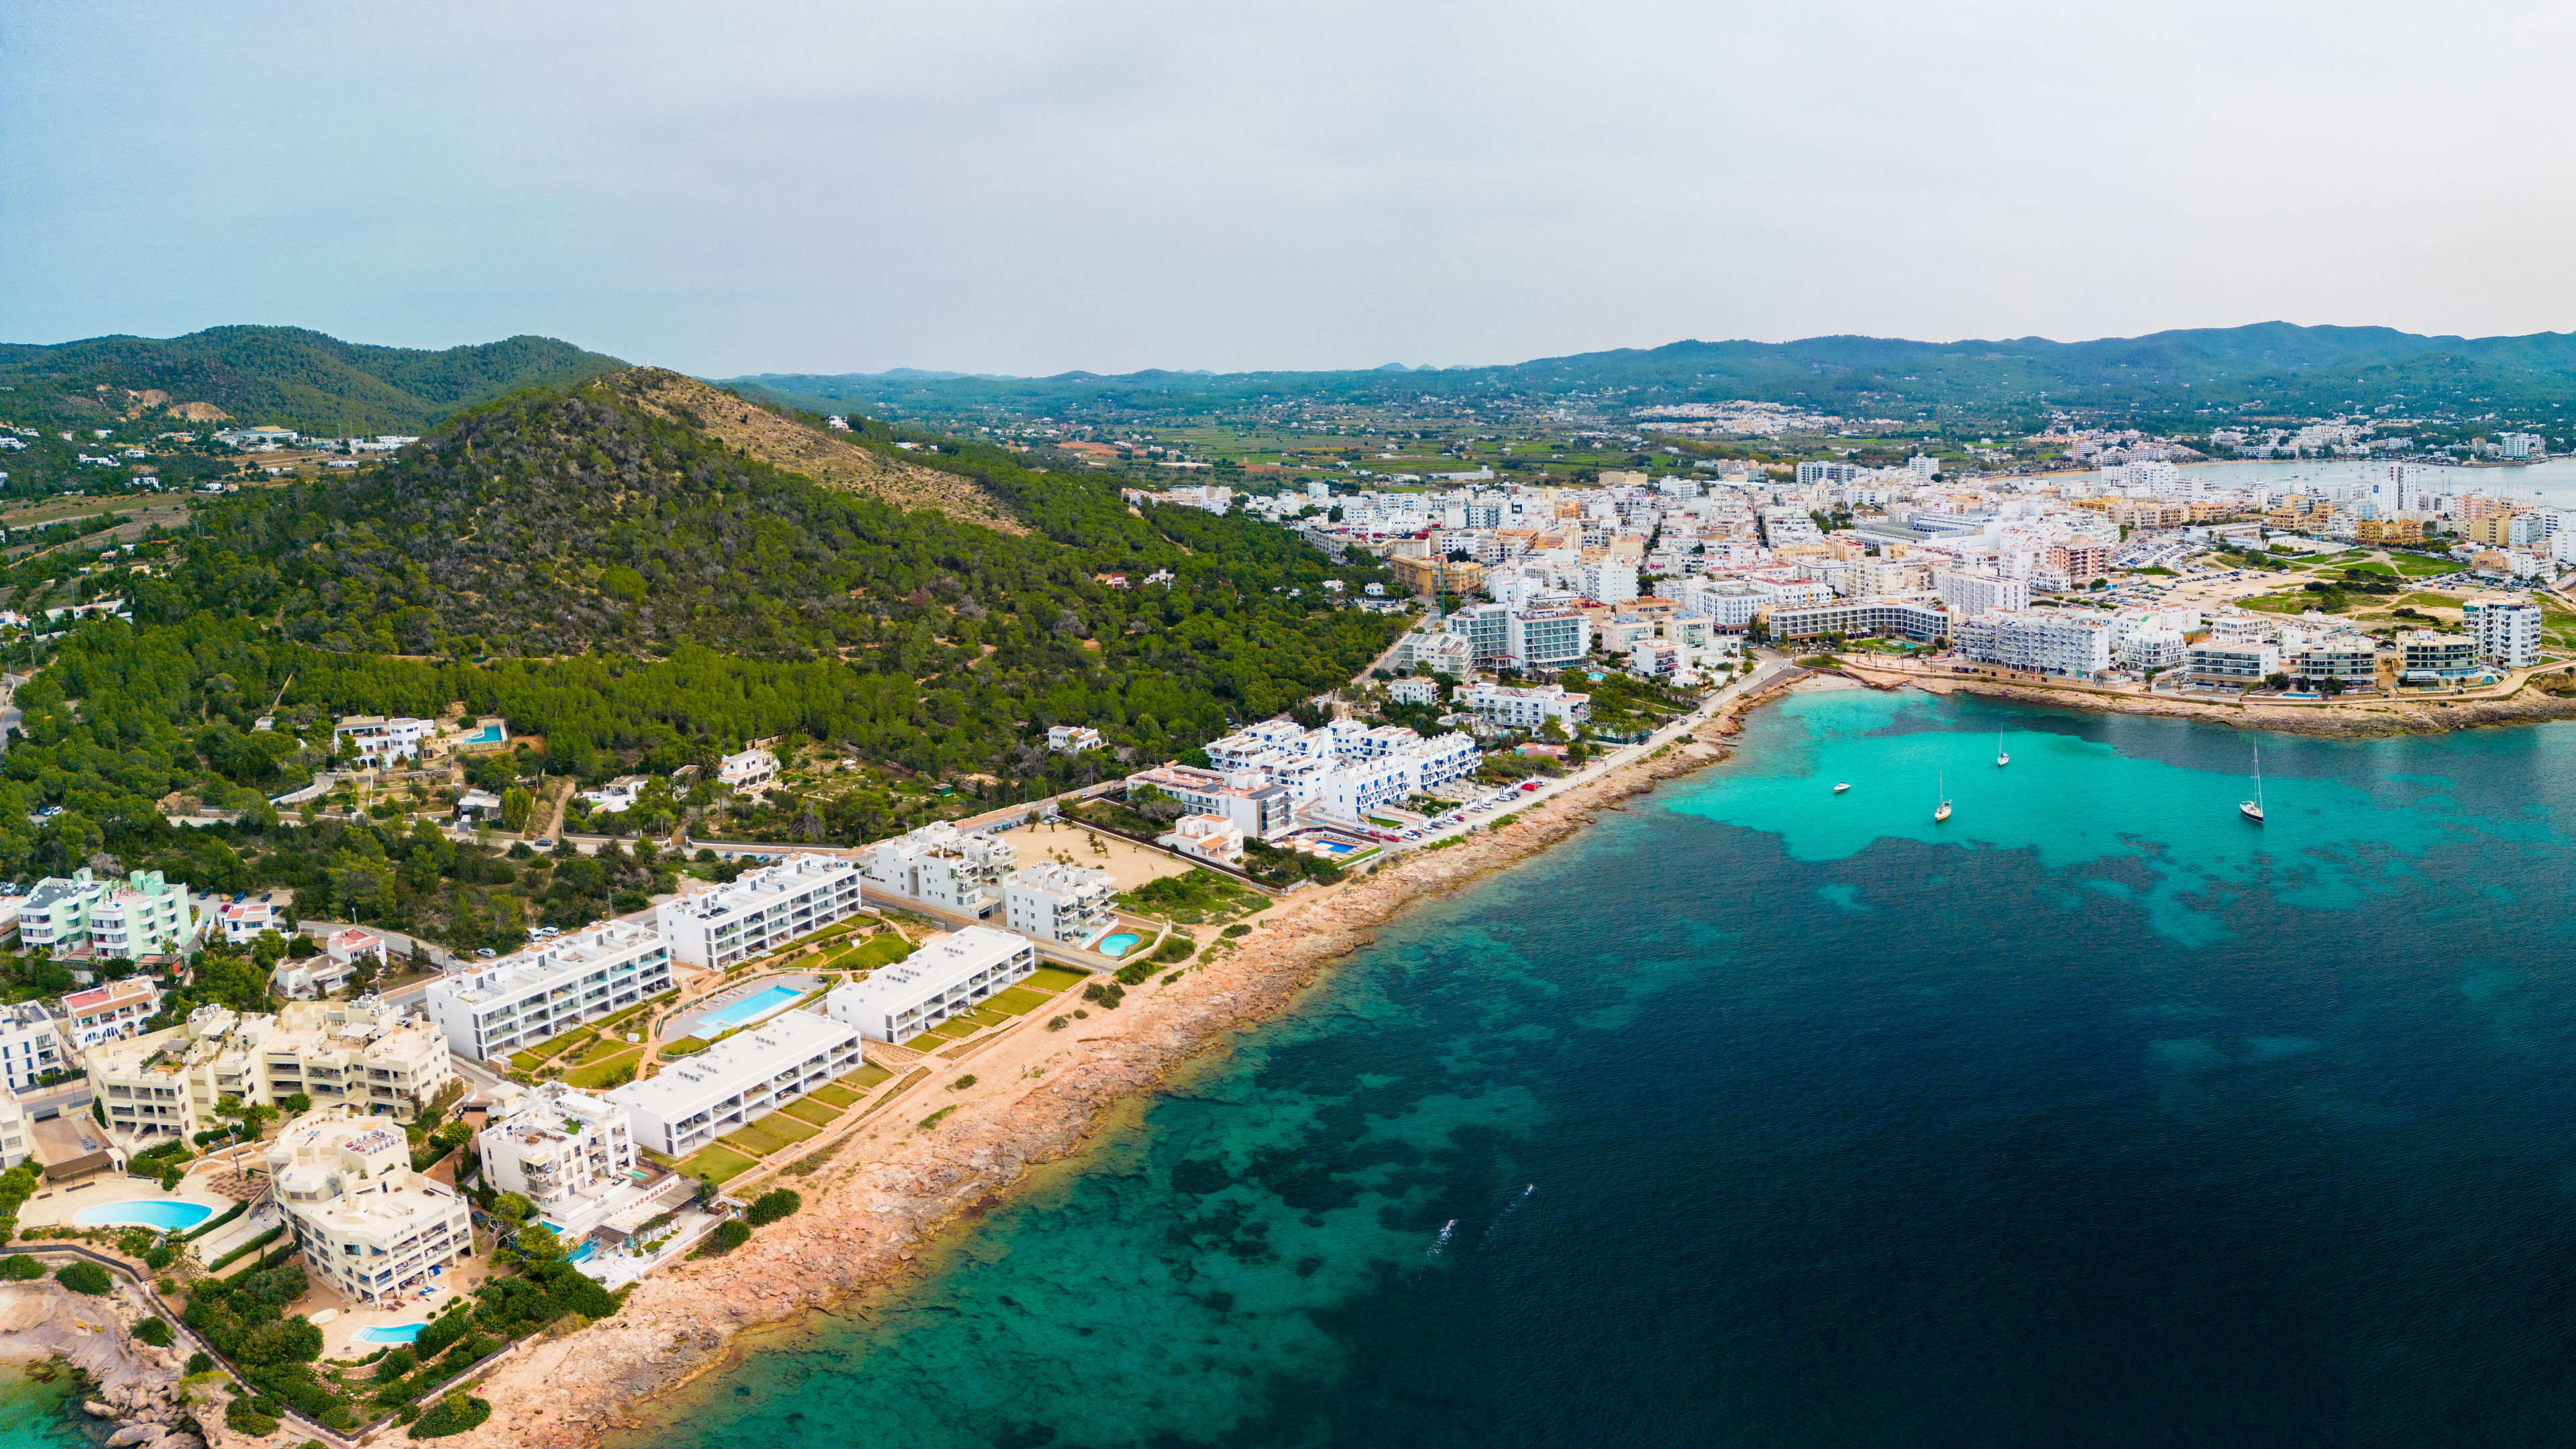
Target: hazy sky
1028 188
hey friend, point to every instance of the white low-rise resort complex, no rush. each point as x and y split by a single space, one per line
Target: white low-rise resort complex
538 992
364 1055
740 1079
365 1221
762 910
940 865
946 977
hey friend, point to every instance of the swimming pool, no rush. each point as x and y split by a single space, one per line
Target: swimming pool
582 1253
744 1010
168 1217
399 1333
1119 945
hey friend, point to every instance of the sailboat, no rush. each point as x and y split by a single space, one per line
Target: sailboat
2001 759
2253 809
1944 812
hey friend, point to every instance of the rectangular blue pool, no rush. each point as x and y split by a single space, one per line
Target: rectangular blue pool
399 1333
746 1009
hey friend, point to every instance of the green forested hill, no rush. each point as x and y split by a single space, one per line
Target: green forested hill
286 376
643 597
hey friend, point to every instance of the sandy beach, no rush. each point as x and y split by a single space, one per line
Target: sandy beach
1037 1097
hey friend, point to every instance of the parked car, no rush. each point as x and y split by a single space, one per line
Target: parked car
486 953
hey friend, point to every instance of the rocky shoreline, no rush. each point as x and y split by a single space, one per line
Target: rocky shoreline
1038 1096
129 1382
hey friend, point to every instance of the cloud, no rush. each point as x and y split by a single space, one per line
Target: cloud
1030 187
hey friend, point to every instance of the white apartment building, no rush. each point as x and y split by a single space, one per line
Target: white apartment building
534 993
1526 709
31 1044
2240 662
1413 689
946 977
2507 629
942 865
738 1080
1610 580
366 1056
363 1219
242 921
81 915
561 1149
15 1140
1073 739
753 769
2043 641
1536 639
1211 838
1052 901
761 911
1973 591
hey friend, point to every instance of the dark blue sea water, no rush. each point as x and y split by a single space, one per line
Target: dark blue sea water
1764 1117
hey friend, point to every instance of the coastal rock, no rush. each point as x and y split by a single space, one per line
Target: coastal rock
97 1410
134 1434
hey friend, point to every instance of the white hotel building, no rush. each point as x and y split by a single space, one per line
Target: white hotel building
535 993
947 976
738 1080
1052 901
366 1222
2043 641
561 1149
761 911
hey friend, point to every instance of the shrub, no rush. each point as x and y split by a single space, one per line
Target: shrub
1237 931
87 1278
18 1268
161 1257
1174 948
1134 973
451 1415
962 1083
730 1234
244 1417
199 1363
1056 1023
395 1364
154 1332
1105 997
777 1203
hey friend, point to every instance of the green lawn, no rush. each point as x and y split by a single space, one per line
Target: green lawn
606 1047
685 1046
883 949
596 1075
834 1095
2434 601
769 1134
720 1163
1018 1001
2372 567
867 1076
912 1078
806 1109
954 1028
1052 979
2415 566
527 1061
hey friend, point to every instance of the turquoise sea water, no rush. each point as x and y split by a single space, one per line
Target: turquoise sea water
1763 1117
38 1416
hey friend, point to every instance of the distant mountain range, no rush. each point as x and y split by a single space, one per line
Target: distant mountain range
287 376
2264 367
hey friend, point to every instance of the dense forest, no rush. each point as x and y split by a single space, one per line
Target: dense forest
286 376
633 596
2016 382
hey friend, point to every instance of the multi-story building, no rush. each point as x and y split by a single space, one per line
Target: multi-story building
363 1055
110 1012
738 1080
946 977
2351 658
761 911
532 994
15 1140
1262 808
1538 639
1413 689
1074 739
380 741
364 1220
2240 662
752 769
1053 901
2042 641
1487 630
83 916
242 921
31 1046
1526 709
1610 580
2425 656
942 865
1975 590
561 1149
2507 630
1852 618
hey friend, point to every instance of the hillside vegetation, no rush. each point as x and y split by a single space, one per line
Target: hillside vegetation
776 436
285 376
